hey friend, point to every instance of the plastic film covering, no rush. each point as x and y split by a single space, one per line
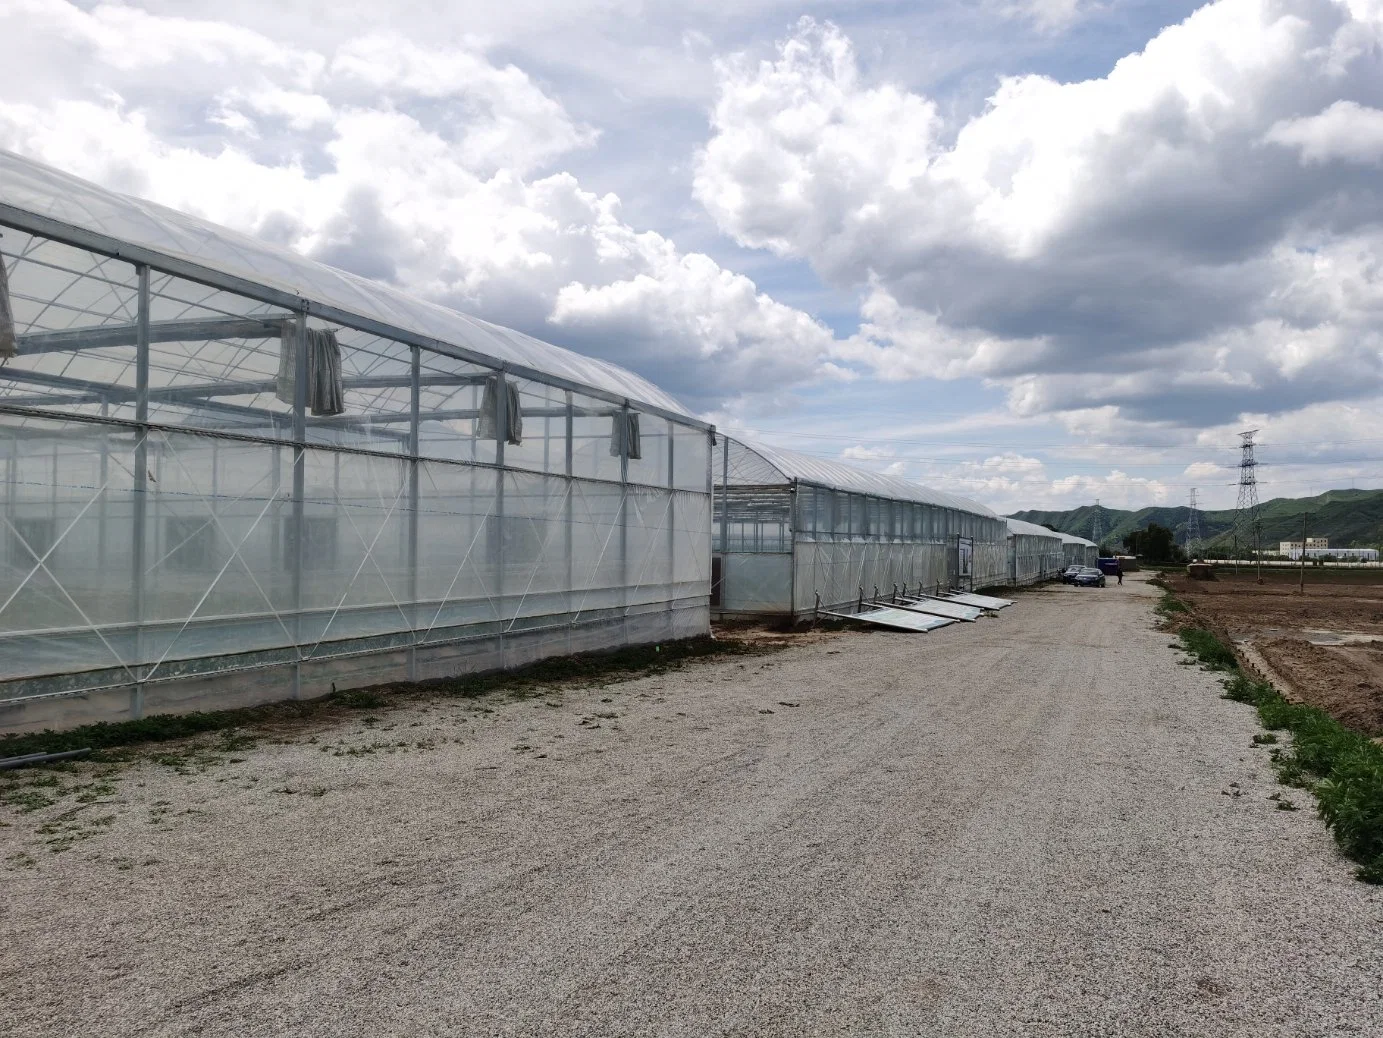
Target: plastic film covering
841 571
758 463
845 528
1078 551
31 187
179 530
1035 553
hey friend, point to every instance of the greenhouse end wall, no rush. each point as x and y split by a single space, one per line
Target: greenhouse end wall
182 532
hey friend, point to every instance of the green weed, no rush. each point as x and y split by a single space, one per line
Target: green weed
1212 653
1171 605
1343 768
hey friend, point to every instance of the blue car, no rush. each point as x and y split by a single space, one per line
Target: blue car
1089 577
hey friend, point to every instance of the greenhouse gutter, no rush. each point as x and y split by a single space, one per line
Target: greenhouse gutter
80 237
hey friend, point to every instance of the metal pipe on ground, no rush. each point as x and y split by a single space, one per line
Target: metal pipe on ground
41 758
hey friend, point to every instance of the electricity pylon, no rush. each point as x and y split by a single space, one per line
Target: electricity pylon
1193 530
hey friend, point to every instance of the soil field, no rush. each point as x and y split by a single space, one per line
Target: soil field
1325 644
1040 824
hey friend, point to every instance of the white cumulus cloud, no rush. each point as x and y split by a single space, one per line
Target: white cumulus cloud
1196 230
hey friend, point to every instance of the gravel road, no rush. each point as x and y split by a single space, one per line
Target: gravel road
1038 824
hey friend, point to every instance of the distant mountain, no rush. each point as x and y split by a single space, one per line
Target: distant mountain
1350 518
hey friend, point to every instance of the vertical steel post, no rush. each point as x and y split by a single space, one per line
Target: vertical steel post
298 536
571 512
141 483
671 587
624 515
724 500
794 501
414 450
103 513
501 435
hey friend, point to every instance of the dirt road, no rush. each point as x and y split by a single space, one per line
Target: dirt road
1040 824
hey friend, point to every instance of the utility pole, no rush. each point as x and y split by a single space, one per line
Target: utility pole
1301 585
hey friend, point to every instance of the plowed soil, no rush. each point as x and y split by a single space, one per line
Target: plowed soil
1245 607
1318 642
1344 681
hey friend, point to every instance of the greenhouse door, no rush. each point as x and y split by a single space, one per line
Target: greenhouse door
964 564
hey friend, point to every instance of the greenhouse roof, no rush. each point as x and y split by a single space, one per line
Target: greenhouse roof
1068 538
788 465
1033 530
43 200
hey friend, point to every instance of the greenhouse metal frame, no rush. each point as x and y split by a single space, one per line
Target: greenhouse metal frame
1078 551
794 533
234 475
1035 553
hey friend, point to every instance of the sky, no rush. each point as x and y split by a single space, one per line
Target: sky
1033 252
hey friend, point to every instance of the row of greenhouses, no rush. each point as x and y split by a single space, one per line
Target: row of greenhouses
793 533
233 475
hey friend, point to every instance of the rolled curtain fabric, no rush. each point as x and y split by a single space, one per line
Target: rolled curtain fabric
489 412
9 345
326 394
288 360
624 435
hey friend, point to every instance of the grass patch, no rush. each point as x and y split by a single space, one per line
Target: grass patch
533 680
1341 767
1171 606
1208 649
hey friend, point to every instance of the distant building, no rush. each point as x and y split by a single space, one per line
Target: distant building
1319 547
1317 543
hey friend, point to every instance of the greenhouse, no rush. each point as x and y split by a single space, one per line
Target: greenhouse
233 475
1078 551
1035 553
792 532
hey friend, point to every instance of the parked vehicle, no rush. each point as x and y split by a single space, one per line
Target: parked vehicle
1089 577
1068 575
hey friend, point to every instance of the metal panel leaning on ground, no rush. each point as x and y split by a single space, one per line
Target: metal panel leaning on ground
789 527
232 475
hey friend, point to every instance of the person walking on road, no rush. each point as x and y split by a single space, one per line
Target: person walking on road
1119 572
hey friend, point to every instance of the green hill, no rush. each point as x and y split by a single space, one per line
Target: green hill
1350 518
